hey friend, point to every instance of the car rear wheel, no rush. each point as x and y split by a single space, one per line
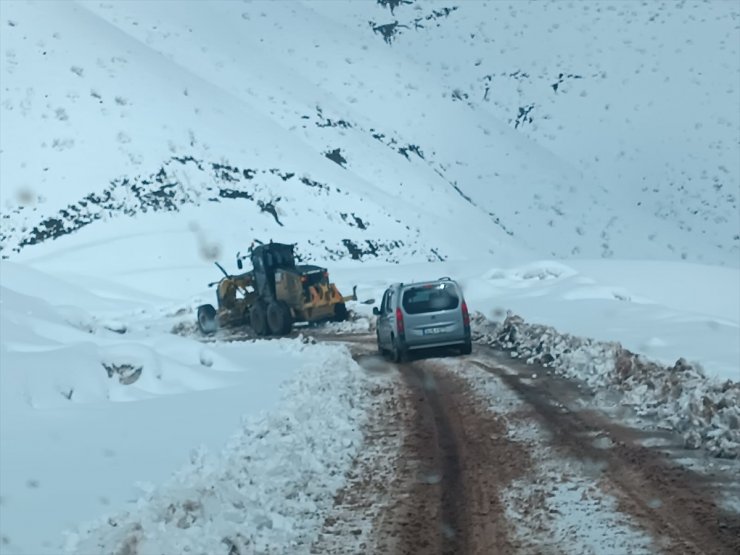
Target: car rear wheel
398 353
381 350
340 313
466 348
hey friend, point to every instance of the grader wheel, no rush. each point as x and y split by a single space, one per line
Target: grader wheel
279 319
340 313
207 323
258 319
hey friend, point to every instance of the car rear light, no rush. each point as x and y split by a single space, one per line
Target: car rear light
399 322
466 316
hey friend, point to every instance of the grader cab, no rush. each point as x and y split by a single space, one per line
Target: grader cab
274 294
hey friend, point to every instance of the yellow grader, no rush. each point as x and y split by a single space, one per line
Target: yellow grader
274 294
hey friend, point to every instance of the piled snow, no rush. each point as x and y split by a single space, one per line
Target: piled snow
661 309
93 379
270 487
704 410
356 323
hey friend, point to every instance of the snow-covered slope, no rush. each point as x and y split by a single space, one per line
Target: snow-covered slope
571 130
638 99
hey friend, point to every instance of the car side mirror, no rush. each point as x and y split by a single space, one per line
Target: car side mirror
376 311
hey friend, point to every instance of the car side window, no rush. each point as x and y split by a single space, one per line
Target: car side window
384 302
389 302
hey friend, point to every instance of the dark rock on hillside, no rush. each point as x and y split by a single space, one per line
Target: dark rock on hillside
163 191
336 157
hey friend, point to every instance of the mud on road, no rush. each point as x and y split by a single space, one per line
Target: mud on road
442 464
676 505
463 460
428 484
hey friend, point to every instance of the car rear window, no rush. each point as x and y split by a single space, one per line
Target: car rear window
430 298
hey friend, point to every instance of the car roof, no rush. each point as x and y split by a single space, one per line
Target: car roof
429 282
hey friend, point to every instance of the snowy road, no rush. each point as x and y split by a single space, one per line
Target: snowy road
482 454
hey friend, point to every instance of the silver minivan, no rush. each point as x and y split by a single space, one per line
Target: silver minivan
422 315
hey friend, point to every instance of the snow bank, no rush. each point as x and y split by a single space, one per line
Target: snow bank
96 383
271 486
355 323
704 410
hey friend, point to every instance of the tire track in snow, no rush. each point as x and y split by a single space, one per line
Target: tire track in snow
674 503
431 474
445 469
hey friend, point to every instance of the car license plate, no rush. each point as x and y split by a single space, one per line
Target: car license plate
432 331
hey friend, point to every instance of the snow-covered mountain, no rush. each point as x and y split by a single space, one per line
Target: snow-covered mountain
390 140
398 130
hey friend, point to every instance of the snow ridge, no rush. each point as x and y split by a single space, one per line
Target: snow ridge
270 488
185 180
705 411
